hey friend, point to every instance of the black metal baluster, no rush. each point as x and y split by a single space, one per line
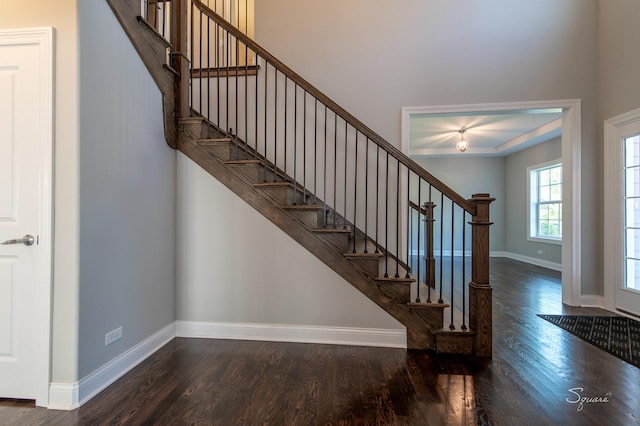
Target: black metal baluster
410 225
377 196
266 118
324 163
398 215
246 93
464 268
451 326
255 130
218 67
200 62
192 54
208 73
236 68
355 198
344 226
275 123
335 167
295 143
324 168
441 244
315 152
227 59
304 148
386 222
286 109
366 190
419 230
429 246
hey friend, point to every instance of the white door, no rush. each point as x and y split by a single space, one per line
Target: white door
628 290
25 212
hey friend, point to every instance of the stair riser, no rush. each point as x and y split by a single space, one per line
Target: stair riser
369 267
422 337
456 343
338 240
309 218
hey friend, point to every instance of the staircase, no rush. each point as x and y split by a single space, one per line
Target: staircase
388 227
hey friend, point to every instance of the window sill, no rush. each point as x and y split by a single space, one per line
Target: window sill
557 242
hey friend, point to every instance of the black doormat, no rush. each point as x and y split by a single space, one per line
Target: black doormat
620 336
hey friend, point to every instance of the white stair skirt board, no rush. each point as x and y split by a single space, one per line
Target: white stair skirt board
69 396
387 338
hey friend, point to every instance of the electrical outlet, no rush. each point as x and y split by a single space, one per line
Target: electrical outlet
539 251
112 336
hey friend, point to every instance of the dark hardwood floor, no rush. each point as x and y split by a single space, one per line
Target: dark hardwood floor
529 380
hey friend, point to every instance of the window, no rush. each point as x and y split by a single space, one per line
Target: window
631 167
545 202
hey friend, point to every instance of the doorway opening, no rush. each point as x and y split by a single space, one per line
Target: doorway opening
568 126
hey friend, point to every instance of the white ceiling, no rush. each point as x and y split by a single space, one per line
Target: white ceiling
488 133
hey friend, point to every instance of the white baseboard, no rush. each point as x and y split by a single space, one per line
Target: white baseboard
293 333
534 261
592 301
69 396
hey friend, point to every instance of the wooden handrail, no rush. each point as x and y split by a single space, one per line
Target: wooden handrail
341 112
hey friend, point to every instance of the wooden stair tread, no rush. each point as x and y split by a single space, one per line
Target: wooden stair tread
303 207
272 184
243 162
215 141
331 230
427 305
371 255
400 280
456 332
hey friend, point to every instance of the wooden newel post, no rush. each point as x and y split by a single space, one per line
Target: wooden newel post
430 260
480 291
179 56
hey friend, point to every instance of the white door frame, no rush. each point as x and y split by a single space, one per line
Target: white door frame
613 212
43 39
571 175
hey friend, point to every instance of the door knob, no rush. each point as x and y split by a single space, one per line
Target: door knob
27 240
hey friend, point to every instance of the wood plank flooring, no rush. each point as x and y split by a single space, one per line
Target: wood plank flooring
528 381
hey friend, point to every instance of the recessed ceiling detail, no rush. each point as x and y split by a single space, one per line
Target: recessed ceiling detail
487 133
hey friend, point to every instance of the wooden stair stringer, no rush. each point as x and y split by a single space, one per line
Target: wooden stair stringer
419 332
153 52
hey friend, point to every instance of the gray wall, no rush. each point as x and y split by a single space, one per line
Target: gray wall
468 176
516 206
127 195
619 81
235 266
375 58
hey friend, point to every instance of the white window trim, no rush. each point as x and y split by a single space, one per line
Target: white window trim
530 202
613 214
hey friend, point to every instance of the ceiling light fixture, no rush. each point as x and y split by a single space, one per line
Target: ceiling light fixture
462 143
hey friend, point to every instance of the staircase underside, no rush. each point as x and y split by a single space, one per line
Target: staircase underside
243 172
240 170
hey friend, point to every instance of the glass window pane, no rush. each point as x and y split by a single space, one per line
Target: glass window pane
632 243
632 182
633 274
632 151
632 212
546 202
544 193
543 211
544 177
